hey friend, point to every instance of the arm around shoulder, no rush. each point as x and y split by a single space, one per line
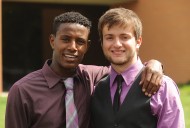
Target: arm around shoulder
151 77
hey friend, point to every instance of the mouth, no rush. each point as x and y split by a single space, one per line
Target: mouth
117 52
70 57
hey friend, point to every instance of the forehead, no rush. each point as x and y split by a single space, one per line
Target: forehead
118 28
73 29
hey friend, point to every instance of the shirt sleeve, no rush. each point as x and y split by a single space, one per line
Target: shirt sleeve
167 106
16 113
96 73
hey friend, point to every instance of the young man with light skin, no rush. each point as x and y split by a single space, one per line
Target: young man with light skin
121 32
38 99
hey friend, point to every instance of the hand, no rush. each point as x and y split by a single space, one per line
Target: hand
151 77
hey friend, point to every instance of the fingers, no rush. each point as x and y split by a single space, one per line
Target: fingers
157 85
150 81
151 84
143 79
146 76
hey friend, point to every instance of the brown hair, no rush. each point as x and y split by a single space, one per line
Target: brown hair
120 16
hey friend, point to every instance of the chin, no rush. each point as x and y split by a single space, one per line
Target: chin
69 66
118 62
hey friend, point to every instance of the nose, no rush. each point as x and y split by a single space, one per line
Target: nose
73 45
117 43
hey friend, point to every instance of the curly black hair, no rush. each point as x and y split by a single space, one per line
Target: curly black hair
70 17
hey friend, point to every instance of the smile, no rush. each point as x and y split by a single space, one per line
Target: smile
117 51
70 56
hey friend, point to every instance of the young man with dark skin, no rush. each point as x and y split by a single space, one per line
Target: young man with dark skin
118 100
38 99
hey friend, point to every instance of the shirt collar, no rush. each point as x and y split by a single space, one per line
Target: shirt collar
129 74
51 77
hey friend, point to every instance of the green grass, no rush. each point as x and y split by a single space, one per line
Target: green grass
2 111
185 97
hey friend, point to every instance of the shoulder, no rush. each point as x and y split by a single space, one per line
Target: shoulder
105 79
169 86
33 76
102 87
27 80
103 82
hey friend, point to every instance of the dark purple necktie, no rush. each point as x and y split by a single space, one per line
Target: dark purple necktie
116 102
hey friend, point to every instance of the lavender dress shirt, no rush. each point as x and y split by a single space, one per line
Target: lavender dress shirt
165 104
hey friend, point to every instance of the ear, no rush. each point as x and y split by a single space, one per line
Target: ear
51 40
139 42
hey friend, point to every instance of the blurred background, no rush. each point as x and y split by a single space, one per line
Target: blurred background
25 26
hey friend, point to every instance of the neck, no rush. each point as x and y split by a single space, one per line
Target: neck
63 72
119 68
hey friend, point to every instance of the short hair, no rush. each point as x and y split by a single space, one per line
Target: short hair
70 17
120 16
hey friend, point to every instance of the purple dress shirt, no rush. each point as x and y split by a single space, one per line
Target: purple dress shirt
38 99
165 104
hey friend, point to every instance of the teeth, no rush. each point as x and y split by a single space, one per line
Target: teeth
70 56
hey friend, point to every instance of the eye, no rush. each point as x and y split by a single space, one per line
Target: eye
108 38
65 39
81 41
125 37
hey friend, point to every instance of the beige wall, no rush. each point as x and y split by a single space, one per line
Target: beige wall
166 35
